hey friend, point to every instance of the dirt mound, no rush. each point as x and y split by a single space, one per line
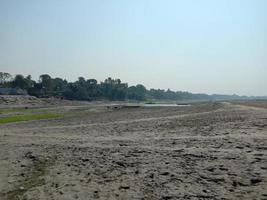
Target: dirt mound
31 101
19 100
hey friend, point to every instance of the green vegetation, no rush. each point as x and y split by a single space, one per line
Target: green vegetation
18 118
22 114
12 110
90 89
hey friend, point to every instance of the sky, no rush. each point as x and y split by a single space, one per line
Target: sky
202 46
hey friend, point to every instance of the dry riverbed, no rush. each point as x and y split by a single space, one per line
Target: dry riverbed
203 151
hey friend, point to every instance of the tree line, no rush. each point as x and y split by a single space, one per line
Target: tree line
91 89
82 89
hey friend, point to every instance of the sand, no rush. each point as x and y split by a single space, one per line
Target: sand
203 151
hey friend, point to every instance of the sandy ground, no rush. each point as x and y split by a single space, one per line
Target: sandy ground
205 151
7 101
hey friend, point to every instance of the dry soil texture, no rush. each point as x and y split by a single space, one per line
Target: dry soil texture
205 151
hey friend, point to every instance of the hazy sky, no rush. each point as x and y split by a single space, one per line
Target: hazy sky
207 46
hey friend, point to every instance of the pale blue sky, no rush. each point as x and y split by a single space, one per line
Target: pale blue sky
207 46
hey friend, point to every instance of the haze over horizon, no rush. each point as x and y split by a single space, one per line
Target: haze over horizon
202 47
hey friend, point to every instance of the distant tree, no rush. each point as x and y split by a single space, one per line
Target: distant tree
141 91
93 89
47 84
81 81
90 89
114 89
92 82
59 86
78 90
21 82
157 94
44 77
4 78
137 92
29 77
36 90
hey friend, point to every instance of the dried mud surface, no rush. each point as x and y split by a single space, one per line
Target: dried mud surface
205 151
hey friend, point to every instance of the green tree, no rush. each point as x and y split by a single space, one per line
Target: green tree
21 82
47 84
4 78
137 92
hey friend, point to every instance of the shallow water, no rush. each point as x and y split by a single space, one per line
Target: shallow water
165 105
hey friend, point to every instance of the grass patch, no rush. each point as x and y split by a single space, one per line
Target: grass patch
21 110
18 118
